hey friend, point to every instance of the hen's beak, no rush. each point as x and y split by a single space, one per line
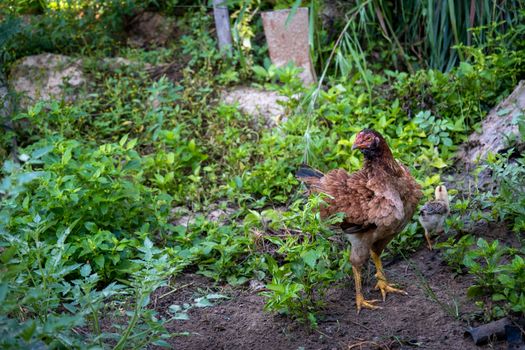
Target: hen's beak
355 146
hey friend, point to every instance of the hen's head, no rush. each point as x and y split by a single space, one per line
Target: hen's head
371 144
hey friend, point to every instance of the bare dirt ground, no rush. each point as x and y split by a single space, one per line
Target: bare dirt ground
433 316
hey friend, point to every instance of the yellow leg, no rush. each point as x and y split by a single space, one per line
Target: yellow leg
382 283
429 242
359 299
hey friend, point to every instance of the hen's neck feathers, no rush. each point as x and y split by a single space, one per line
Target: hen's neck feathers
382 157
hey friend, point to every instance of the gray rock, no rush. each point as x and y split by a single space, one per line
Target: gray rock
45 77
256 285
496 128
257 103
185 217
220 215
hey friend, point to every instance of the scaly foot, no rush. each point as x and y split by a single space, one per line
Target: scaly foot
385 288
367 304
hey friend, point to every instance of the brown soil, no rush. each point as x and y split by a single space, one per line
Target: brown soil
426 319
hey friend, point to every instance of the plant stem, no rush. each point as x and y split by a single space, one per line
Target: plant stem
96 325
131 325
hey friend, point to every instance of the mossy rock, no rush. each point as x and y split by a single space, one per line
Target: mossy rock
46 77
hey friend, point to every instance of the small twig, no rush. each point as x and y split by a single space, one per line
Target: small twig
175 290
368 342
360 325
323 334
517 324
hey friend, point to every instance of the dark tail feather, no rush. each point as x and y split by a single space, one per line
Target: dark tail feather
307 172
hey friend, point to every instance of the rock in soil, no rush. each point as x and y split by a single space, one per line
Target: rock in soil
46 76
183 216
496 129
267 105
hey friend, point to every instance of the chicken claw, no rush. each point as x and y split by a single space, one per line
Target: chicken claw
360 303
382 283
387 288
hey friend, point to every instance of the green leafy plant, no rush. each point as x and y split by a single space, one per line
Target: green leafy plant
305 264
429 31
45 296
98 193
454 251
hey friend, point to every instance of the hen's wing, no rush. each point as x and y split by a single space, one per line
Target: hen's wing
387 207
367 202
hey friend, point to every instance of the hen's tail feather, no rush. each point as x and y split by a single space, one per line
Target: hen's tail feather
306 171
309 176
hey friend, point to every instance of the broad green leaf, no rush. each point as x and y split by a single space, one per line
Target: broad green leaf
310 257
99 261
41 152
4 287
260 71
85 270
475 291
123 140
202 302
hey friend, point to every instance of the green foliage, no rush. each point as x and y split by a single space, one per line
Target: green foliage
98 193
46 295
508 203
407 241
502 200
306 260
91 202
483 262
62 26
174 167
438 130
455 250
496 267
497 270
511 280
205 58
427 33
219 251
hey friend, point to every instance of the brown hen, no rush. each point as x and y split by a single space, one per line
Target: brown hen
378 201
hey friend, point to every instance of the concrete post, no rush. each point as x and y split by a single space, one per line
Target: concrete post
222 23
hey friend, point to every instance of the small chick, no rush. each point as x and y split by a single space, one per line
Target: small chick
433 214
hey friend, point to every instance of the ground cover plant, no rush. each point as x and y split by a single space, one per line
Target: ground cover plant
112 196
